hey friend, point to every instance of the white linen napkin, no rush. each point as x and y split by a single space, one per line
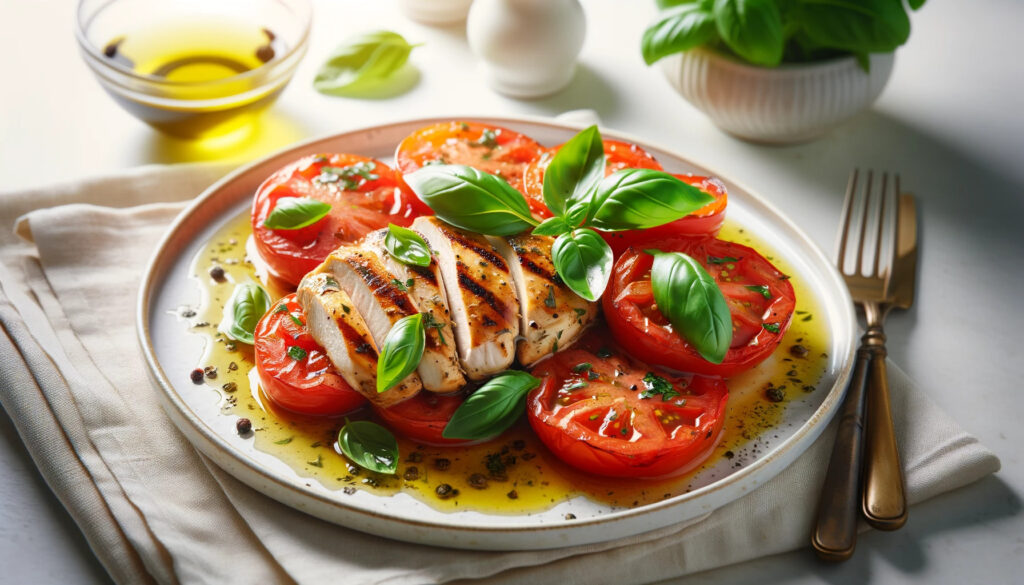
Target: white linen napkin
154 510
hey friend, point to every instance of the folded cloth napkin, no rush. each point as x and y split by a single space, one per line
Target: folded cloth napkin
154 510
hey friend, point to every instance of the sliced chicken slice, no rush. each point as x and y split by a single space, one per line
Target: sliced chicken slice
551 315
481 296
439 369
337 326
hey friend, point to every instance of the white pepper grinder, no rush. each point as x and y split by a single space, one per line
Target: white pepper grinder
527 48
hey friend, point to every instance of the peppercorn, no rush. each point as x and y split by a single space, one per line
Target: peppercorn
243 426
445 491
411 474
442 464
229 387
197 376
477 481
775 394
217 273
798 351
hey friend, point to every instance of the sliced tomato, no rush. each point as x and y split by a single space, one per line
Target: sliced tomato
706 221
602 413
618 155
423 417
361 203
760 298
492 149
295 372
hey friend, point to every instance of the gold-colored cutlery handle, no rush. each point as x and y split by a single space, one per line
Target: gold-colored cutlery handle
835 532
884 494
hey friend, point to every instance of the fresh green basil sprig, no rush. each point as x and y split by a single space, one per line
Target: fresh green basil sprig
292 213
243 311
584 261
366 64
407 246
691 300
492 408
472 200
369 446
401 351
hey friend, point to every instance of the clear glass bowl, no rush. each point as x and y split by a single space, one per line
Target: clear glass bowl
193 68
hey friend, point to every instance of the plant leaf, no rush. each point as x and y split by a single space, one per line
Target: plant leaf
584 262
292 213
472 200
632 199
243 311
857 26
369 446
691 300
492 408
752 29
407 246
574 170
401 351
681 29
362 63
552 226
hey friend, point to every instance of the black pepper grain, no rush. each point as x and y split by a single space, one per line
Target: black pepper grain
442 463
229 387
412 473
798 351
210 372
445 491
243 426
513 495
478 481
217 273
775 394
196 376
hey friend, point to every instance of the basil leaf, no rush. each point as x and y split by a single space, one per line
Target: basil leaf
369 446
472 200
292 213
865 26
682 29
366 63
407 246
243 311
552 226
752 29
691 300
401 351
492 408
633 199
574 170
584 262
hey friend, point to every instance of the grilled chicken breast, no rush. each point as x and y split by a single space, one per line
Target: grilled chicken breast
481 296
338 327
551 315
439 370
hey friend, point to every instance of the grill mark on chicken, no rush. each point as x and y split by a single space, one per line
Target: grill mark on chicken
495 260
426 272
380 283
466 282
355 339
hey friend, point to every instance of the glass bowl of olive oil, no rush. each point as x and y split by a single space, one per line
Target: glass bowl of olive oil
194 68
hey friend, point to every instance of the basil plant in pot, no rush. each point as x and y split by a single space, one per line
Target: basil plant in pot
778 71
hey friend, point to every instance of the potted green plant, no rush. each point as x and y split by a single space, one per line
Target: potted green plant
778 70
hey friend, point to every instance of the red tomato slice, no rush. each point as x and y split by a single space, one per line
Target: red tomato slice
492 149
295 371
358 206
618 155
706 221
423 417
760 298
599 415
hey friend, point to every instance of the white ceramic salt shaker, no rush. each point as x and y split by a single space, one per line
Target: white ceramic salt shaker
527 48
435 12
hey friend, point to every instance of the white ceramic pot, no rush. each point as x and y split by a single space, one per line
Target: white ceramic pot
435 12
527 48
780 105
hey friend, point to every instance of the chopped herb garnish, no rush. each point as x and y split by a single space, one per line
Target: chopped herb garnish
575 385
488 138
281 309
773 327
807 318
346 308
760 289
582 367
319 462
410 282
655 385
430 322
580 312
296 320
550 301
592 375
399 285
352 176
284 441
722 260
296 353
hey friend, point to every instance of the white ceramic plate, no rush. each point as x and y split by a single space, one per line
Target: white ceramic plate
170 347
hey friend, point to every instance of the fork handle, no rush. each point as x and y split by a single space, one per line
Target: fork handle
835 532
884 501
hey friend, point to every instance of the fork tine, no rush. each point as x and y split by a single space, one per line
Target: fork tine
881 228
844 232
864 222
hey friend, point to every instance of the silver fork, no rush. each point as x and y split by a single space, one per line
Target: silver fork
882 286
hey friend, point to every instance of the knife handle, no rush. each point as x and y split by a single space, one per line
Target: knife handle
835 531
884 494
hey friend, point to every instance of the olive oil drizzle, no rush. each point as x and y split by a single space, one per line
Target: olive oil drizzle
514 473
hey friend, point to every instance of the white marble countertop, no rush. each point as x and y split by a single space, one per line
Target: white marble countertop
949 122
